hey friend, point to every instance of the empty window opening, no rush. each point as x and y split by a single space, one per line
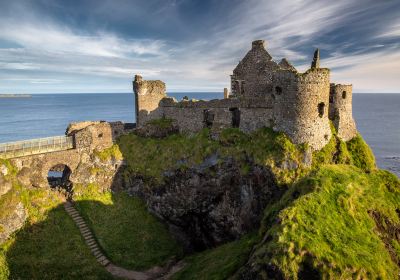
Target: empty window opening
208 118
344 94
58 179
278 90
321 109
235 117
100 135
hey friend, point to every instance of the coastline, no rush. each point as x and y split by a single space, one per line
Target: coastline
15 96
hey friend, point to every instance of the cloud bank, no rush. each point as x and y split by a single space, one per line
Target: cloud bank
93 46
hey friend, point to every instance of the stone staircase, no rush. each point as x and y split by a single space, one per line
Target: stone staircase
152 273
87 234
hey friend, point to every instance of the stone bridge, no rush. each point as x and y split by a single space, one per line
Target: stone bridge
35 158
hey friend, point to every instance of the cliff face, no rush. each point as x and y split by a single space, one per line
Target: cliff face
290 218
12 211
211 203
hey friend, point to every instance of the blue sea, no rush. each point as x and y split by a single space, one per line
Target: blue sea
43 115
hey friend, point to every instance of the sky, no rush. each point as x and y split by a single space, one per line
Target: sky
96 46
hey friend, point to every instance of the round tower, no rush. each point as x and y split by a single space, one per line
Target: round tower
301 102
341 110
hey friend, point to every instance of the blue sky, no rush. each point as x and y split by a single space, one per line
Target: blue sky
98 46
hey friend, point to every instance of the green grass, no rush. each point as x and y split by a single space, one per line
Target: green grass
150 158
130 236
49 246
219 263
361 154
110 153
329 225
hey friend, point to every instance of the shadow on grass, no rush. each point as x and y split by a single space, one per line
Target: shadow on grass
54 249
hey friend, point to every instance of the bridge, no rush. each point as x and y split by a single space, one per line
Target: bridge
36 146
70 154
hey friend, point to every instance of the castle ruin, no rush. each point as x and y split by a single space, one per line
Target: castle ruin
263 94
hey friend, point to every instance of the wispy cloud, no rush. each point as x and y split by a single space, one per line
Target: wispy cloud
195 48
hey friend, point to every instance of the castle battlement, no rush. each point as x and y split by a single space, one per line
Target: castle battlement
263 94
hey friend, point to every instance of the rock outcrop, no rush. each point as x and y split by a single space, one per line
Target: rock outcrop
212 203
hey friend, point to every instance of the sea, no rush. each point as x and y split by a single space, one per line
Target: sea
43 115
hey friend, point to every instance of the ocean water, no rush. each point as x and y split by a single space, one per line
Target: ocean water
377 117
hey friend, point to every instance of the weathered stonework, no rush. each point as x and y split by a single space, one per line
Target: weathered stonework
341 110
89 138
147 96
263 94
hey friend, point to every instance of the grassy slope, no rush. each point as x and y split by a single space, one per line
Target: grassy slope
130 236
324 218
49 246
218 263
329 225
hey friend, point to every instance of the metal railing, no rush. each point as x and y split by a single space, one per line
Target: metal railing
36 146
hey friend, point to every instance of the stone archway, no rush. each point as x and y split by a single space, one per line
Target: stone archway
58 178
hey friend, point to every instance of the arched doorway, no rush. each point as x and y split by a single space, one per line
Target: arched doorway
58 179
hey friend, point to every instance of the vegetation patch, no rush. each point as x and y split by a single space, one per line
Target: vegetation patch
150 158
219 263
361 154
110 153
50 245
324 223
130 236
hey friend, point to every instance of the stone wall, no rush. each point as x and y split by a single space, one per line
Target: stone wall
341 110
192 116
263 94
89 137
252 77
147 97
301 106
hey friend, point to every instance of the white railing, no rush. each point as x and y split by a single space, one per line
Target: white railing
36 146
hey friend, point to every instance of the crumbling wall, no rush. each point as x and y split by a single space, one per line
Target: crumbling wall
301 106
341 111
252 77
147 97
192 116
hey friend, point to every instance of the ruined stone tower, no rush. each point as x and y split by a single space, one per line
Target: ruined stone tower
148 95
263 94
341 110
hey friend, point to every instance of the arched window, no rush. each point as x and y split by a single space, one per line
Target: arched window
321 109
278 90
344 94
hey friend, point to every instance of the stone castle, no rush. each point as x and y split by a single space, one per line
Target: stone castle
263 94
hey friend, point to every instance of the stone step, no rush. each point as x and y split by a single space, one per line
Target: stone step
105 262
85 231
91 242
89 239
102 258
96 251
93 246
98 254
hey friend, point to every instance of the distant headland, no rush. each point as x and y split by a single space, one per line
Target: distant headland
12 95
